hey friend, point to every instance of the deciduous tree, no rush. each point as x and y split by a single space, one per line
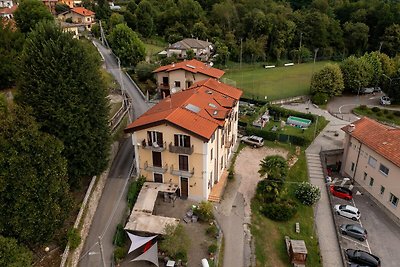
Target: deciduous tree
29 13
12 254
329 81
357 73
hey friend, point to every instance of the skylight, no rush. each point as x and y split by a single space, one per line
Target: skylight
192 108
212 105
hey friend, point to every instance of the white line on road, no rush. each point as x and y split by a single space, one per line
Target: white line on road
359 220
340 108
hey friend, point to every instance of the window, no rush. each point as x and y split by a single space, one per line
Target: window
158 178
371 181
183 163
178 84
211 153
365 176
384 169
352 166
372 162
155 138
165 80
394 200
382 189
182 140
222 162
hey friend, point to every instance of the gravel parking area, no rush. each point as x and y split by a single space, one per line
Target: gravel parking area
383 233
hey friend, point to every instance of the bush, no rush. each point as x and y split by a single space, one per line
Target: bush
268 190
396 113
390 116
307 193
144 71
119 253
212 248
375 109
320 98
134 190
231 175
204 211
74 239
385 111
379 114
282 210
176 242
120 236
212 230
363 107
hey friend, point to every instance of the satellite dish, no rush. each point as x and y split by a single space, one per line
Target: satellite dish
211 64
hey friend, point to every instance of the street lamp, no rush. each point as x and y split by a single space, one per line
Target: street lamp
315 58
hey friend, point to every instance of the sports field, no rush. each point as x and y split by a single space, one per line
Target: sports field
276 83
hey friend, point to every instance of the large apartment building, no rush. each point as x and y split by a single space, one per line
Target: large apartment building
371 158
176 77
188 137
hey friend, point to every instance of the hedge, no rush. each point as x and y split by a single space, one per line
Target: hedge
272 136
254 101
286 113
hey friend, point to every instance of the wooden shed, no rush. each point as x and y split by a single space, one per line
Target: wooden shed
297 251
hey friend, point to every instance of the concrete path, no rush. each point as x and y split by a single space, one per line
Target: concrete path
326 140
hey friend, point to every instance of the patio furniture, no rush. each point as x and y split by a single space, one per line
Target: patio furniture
187 219
194 218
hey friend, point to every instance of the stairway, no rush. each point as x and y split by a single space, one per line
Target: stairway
314 166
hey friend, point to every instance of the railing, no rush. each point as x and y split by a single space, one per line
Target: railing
181 149
163 86
158 169
182 172
156 147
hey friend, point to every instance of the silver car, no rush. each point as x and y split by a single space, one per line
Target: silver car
354 230
385 100
253 140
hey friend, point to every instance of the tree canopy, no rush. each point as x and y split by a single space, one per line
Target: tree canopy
328 81
34 193
29 13
12 254
275 167
61 81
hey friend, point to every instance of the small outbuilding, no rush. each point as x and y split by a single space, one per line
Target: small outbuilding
297 251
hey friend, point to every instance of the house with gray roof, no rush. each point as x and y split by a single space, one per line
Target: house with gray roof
202 49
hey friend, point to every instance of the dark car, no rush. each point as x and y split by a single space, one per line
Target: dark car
354 230
341 191
363 258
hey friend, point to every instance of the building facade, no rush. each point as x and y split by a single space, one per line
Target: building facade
6 3
202 49
176 77
188 138
371 158
79 15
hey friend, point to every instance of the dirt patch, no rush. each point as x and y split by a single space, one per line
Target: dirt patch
247 166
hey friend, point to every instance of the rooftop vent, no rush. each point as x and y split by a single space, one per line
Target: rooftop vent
212 105
352 127
192 108
190 66
384 143
215 112
209 92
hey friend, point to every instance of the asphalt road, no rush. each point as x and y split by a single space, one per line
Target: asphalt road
112 203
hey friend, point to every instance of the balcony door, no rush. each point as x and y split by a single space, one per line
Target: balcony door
184 187
183 163
157 159
165 81
158 177
182 140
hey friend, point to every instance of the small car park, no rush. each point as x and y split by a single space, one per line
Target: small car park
354 230
363 257
341 192
253 140
347 211
385 100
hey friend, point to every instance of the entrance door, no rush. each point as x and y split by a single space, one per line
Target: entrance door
184 187
158 178
157 159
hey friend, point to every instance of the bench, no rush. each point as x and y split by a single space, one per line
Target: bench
298 228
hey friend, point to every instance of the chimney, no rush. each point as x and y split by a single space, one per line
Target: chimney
351 128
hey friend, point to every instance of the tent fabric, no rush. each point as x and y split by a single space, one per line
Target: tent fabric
138 241
150 255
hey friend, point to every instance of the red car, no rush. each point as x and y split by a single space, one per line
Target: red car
342 192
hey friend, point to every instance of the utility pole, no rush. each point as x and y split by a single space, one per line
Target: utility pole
240 66
301 36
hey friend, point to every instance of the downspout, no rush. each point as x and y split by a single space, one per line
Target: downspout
355 169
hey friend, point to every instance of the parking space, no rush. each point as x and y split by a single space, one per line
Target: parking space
383 234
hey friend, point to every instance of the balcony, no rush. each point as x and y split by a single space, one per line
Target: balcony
163 86
181 172
228 143
158 169
181 149
156 147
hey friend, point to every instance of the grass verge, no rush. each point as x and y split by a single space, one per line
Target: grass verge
384 115
269 235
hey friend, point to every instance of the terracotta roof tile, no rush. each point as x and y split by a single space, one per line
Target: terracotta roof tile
194 109
82 11
383 139
8 10
193 66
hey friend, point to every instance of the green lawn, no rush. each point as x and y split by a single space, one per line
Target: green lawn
276 83
269 235
152 49
384 115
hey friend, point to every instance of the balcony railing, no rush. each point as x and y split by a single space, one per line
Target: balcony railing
163 86
156 147
181 149
178 172
158 169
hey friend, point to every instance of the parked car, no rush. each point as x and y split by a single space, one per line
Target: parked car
354 230
348 212
377 89
368 90
253 140
341 191
385 100
363 257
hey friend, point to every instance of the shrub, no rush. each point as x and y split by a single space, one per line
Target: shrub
379 114
320 98
204 211
176 242
375 109
307 193
134 190
231 175
212 230
119 237
282 210
275 166
269 189
390 116
74 239
363 107
119 253
385 111
396 113
212 248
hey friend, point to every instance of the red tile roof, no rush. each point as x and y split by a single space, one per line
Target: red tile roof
197 109
8 10
82 11
383 139
193 66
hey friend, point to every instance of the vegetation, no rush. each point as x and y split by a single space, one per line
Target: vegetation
74 239
281 210
12 254
307 193
34 193
176 242
274 166
204 211
29 13
67 96
328 81
388 116
134 189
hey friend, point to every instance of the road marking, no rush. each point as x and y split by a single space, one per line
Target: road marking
340 108
352 240
359 220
